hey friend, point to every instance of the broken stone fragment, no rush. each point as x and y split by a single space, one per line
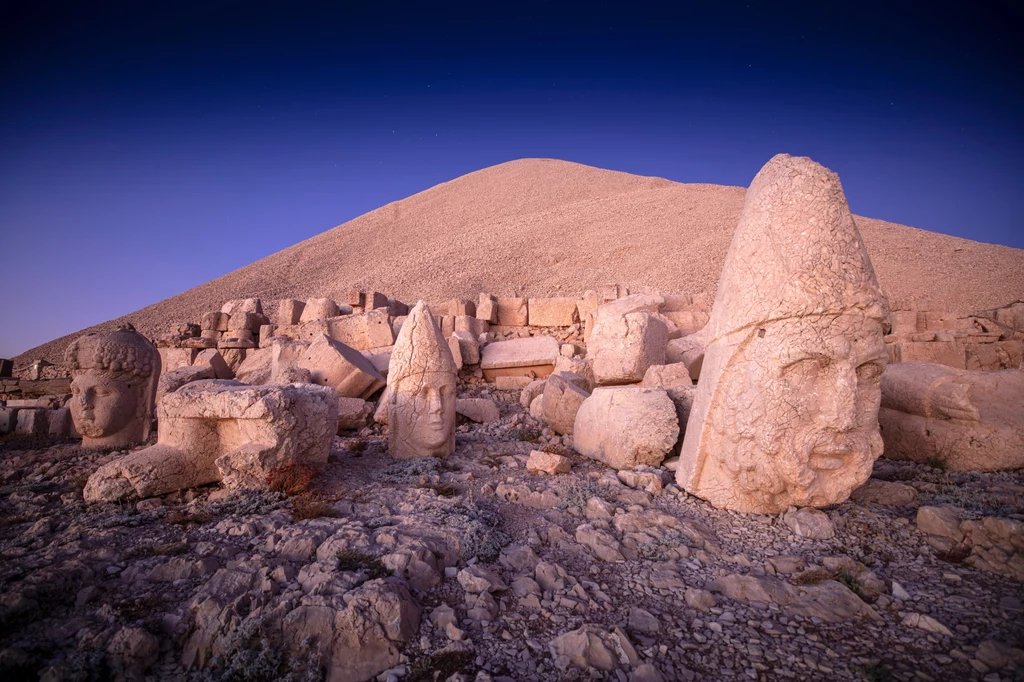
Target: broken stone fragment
563 395
289 311
552 312
540 462
469 349
318 309
592 648
353 413
480 410
513 312
626 426
626 340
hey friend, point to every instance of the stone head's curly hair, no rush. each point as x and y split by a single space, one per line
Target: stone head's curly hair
125 354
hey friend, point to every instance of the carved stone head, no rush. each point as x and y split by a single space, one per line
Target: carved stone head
113 387
421 390
786 411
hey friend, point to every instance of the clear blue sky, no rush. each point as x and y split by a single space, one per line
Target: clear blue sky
144 151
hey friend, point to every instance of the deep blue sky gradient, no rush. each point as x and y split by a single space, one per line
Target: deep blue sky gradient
146 150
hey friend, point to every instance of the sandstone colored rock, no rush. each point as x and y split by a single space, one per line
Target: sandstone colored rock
786 411
171 381
578 366
830 601
212 358
809 523
520 357
532 390
667 376
540 462
360 634
552 312
289 311
469 349
286 354
562 397
361 331
421 390
537 407
255 369
626 426
626 340
61 425
224 431
513 312
332 363
353 413
487 309
689 351
453 348
32 422
318 309
242 305
887 493
593 648
968 420
480 410
113 389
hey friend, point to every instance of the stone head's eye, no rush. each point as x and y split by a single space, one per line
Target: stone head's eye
804 367
869 371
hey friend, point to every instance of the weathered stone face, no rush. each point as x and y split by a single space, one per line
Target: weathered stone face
797 418
786 412
101 405
113 388
421 390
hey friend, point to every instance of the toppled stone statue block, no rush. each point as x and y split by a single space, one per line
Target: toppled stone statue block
421 390
115 376
626 426
228 432
968 420
627 338
346 370
533 356
786 411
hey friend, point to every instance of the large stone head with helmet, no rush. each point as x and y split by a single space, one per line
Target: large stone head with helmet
786 411
421 390
113 387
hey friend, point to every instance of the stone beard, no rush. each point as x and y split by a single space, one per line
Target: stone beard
423 406
795 416
113 388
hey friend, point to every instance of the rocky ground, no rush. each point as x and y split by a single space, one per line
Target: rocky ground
475 568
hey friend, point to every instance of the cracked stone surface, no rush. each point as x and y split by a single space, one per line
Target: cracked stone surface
786 410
